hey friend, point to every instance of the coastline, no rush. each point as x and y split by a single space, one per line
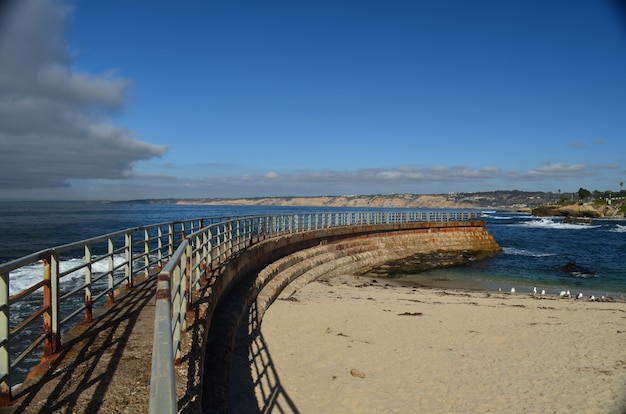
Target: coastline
349 345
385 201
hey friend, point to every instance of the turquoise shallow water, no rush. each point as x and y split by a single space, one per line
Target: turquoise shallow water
536 250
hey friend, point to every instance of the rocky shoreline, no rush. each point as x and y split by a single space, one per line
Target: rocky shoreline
578 210
422 262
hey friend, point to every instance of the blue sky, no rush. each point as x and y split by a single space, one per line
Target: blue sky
193 99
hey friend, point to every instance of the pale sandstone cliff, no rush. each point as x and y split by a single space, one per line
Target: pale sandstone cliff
392 201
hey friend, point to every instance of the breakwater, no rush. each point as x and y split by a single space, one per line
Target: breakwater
220 261
267 269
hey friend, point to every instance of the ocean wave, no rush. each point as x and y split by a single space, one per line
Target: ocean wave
523 252
619 229
26 276
546 223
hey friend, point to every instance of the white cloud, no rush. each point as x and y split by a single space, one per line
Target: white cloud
52 119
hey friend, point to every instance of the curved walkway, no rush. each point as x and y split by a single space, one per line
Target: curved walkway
104 366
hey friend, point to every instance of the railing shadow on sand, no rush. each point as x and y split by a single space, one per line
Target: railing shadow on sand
239 373
255 384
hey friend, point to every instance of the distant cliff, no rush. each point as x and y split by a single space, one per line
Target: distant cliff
397 201
495 200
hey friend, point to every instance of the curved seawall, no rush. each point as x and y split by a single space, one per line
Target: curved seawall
254 280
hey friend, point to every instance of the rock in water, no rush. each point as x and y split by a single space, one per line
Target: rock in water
577 270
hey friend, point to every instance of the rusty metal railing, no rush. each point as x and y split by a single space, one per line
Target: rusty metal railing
218 242
74 278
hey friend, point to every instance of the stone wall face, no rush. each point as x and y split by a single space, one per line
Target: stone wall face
247 285
355 254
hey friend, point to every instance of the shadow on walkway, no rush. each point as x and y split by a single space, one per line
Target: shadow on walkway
103 367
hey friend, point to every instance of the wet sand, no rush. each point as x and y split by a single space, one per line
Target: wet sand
351 346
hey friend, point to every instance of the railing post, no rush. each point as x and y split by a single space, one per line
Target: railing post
5 358
185 290
146 251
229 235
159 247
210 248
198 259
110 278
237 234
88 303
52 343
128 256
170 240
176 310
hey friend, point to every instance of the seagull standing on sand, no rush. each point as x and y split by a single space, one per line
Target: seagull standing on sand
592 298
543 291
535 290
512 290
580 296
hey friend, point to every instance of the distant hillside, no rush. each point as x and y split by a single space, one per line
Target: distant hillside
495 200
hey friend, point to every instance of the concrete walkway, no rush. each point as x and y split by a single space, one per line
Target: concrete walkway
103 367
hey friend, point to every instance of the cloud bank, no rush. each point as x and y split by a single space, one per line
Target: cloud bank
407 179
53 119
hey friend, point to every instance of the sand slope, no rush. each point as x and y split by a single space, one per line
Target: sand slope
435 351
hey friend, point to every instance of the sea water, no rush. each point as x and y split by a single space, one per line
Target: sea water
535 250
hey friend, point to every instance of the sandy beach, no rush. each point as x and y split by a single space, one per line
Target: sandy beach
356 345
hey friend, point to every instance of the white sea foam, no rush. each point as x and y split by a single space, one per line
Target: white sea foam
524 252
546 223
619 229
25 277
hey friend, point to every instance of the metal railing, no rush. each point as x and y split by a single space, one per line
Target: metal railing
218 242
74 278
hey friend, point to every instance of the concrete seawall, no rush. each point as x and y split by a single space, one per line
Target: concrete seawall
106 365
248 285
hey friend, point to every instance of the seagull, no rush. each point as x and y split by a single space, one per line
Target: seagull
543 291
567 294
562 293
512 290
580 296
535 290
592 298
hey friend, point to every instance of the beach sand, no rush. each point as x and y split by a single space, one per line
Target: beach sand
353 345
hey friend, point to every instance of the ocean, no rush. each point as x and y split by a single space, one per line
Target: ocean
537 252
544 253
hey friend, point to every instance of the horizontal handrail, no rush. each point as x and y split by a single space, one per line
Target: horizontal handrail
217 243
66 281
